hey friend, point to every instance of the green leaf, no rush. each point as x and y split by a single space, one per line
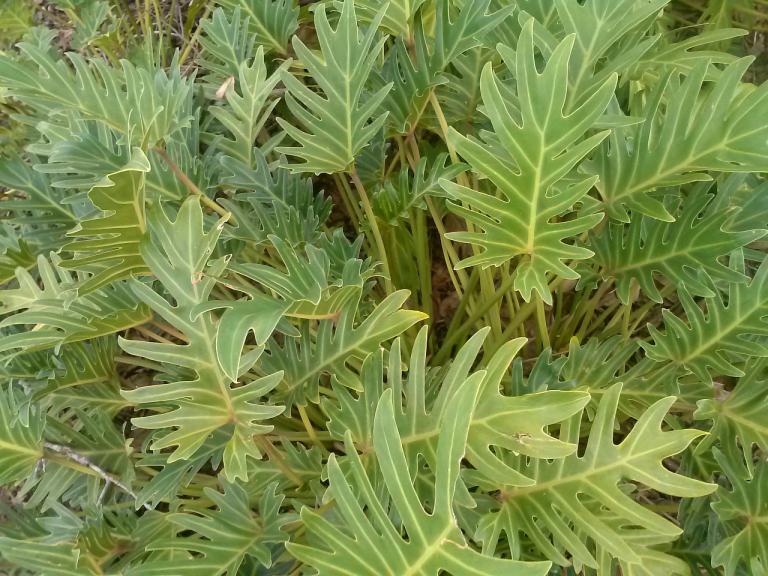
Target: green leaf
679 251
527 158
168 479
259 315
94 435
690 128
199 390
597 365
78 375
708 344
370 542
70 544
683 54
338 125
213 542
577 512
744 511
58 314
460 96
271 22
184 394
47 558
315 287
21 443
499 423
227 44
89 24
16 17
37 209
416 70
336 343
108 245
748 194
144 105
272 200
398 17
248 108
517 424
736 415
15 253
602 29
394 201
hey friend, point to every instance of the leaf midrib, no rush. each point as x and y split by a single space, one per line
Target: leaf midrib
519 491
721 335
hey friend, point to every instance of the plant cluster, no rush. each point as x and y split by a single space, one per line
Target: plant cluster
357 288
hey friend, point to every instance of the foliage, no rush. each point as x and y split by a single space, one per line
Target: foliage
413 287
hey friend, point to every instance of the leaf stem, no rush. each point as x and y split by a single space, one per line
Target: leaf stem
541 322
277 458
168 329
423 258
591 305
141 362
486 274
193 40
485 305
346 196
192 187
380 248
309 428
151 335
458 278
523 313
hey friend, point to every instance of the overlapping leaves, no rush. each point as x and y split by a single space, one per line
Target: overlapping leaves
194 324
710 342
577 509
200 390
373 545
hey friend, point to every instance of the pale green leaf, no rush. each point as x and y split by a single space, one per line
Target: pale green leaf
21 443
220 539
638 252
691 127
526 159
744 510
577 511
271 22
339 124
107 245
709 341
369 543
205 401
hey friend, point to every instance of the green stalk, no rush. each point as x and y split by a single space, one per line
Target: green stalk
626 315
597 325
485 305
578 305
458 277
541 322
192 41
423 259
465 303
592 304
345 192
382 252
192 187
486 274
160 32
524 312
